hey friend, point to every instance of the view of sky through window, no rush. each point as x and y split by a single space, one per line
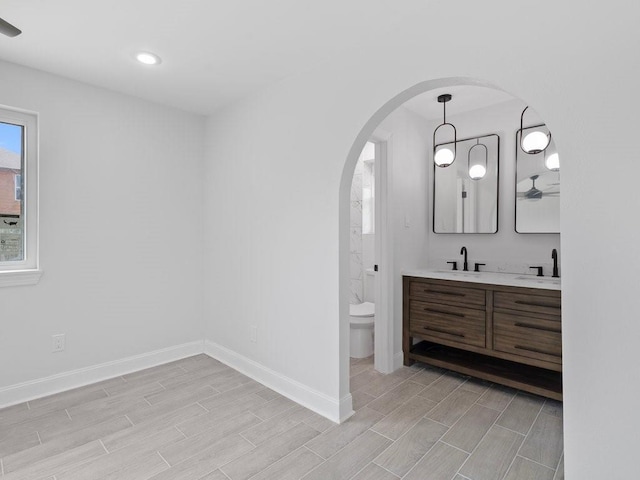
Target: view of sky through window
11 137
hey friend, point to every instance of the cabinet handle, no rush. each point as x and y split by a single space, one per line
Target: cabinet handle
456 334
535 350
535 304
442 312
537 327
452 294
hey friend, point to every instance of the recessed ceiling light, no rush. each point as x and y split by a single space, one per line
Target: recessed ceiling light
148 58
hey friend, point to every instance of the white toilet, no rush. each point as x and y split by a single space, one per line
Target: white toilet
362 320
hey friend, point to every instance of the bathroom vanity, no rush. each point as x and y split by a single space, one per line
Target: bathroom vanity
499 327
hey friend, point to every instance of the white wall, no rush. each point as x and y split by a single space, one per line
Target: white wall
120 229
278 262
506 250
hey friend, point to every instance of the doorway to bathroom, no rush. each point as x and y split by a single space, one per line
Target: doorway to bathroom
369 257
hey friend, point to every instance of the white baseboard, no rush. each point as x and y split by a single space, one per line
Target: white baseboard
333 409
346 407
398 361
42 387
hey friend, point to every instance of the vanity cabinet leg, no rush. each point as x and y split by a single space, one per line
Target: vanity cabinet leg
407 339
406 348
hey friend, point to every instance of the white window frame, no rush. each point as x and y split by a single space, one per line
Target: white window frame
26 271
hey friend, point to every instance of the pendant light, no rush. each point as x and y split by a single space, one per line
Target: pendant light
533 142
444 156
552 162
477 171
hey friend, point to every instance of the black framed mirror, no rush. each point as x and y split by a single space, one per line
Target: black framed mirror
465 193
537 196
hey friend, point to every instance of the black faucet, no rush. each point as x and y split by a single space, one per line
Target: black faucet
463 250
554 255
539 269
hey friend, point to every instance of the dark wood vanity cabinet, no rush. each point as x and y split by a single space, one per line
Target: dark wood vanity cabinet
507 335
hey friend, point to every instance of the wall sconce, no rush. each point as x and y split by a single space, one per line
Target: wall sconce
533 142
444 156
478 170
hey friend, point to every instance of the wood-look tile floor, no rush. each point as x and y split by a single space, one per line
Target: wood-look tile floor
198 419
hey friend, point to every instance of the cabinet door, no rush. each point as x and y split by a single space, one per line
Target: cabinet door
448 324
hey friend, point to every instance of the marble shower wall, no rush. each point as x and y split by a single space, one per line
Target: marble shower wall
356 271
362 222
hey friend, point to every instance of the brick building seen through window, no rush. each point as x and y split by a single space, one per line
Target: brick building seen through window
11 192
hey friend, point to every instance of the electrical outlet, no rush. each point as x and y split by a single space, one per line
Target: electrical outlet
253 333
58 342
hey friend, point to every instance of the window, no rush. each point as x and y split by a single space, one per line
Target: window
18 197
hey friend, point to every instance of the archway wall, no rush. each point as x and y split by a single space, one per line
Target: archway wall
279 162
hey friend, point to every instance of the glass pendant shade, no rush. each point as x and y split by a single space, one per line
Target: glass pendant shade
552 162
535 142
477 172
444 157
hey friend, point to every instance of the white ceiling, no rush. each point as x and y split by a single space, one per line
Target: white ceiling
464 98
213 51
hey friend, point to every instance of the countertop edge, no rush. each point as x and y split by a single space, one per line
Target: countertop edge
491 278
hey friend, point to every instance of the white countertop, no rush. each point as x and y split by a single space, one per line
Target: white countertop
507 279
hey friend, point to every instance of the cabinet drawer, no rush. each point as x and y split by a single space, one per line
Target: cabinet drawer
446 322
448 294
529 337
526 302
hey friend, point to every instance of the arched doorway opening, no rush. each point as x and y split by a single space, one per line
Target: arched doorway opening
501 248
